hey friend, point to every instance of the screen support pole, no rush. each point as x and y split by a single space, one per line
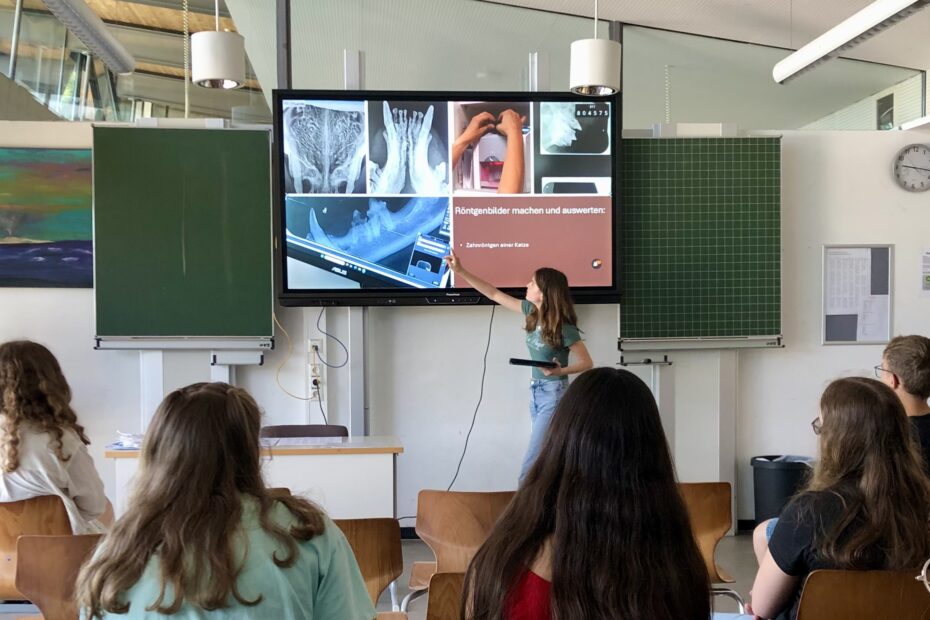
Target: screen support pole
353 77
538 72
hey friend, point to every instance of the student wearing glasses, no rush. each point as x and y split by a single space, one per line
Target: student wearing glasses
905 368
865 506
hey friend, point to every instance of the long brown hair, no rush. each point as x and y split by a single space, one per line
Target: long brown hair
33 389
603 493
199 458
556 307
870 460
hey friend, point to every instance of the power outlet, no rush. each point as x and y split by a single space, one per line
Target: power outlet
315 367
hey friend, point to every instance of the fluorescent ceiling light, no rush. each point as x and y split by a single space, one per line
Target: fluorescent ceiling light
93 33
871 20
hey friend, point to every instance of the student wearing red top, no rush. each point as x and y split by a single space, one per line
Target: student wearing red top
597 529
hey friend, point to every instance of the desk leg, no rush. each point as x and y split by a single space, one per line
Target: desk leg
394 494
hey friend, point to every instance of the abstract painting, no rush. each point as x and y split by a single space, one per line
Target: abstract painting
46 222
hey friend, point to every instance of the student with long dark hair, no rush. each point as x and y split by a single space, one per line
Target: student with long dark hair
866 506
203 536
552 335
598 529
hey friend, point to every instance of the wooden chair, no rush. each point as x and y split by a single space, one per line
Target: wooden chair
45 514
305 430
863 595
454 524
47 570
376 545
278 491
711 514
445 596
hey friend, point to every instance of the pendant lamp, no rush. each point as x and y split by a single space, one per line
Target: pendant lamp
218 58
595 65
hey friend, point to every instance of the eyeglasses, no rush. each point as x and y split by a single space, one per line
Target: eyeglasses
879 370
817 425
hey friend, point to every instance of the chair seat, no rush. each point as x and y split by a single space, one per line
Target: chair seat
420 575
722 576
392 615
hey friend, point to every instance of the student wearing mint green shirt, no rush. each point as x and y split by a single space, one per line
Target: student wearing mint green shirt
202 536
552 335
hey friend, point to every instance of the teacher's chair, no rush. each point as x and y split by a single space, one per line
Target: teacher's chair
304 430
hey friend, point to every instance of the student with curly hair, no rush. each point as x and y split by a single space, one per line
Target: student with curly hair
203 535
43 448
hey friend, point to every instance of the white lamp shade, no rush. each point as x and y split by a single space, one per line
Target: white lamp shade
218 59
595 67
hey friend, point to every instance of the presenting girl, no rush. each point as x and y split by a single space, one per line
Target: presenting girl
551 336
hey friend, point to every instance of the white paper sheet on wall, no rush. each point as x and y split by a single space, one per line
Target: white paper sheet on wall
925 273
873 319
848 279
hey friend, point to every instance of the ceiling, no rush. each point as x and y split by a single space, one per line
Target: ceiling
781 23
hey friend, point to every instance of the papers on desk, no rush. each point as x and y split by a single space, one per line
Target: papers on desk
126 441
281 442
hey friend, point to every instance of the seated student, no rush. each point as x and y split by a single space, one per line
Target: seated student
905 369
865 507
203 537
597 529
42 447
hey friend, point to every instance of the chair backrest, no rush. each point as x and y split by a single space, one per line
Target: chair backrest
376 544
863 595
45 514
445 596
48 568
710 511
456 523
305 430
278 491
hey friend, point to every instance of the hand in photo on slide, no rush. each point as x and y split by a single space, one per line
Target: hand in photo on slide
479 125
510 124
390 179
424 178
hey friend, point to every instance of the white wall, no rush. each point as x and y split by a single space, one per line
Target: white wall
425 363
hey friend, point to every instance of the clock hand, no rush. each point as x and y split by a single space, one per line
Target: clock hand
915 167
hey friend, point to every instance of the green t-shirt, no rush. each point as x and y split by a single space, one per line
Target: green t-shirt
323 584
541 351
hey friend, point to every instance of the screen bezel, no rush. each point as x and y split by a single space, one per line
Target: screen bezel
422 297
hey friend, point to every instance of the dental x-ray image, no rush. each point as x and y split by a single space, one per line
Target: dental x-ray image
324 147
568 128
407 147
400 239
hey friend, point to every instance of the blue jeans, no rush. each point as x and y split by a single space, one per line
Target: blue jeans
544 396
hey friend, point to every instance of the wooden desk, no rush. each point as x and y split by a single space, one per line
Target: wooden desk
354 478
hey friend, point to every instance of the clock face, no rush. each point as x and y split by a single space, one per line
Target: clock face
912 168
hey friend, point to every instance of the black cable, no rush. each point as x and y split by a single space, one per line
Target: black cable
329 335
484 372
319 401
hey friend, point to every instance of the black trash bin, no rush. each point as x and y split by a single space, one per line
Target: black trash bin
775 481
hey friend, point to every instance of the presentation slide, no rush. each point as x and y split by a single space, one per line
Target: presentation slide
377 192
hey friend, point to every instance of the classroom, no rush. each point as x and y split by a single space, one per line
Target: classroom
421 379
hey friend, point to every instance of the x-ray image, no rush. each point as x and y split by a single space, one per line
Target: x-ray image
568 128
408 153
324 147
382 231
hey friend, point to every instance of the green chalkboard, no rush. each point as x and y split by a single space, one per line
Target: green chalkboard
701 236
182 233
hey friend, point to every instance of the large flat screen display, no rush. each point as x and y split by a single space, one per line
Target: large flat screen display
375 188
